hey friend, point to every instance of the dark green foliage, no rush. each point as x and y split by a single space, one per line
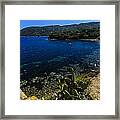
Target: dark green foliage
55 86
76 31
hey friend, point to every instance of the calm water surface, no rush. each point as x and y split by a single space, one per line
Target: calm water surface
39 55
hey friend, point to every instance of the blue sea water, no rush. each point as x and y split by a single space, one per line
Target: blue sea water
39 55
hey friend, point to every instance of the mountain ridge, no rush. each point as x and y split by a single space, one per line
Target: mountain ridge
90 30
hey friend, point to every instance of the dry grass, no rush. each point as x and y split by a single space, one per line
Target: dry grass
94 88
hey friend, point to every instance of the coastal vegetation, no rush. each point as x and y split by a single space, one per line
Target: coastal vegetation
89 30
62 85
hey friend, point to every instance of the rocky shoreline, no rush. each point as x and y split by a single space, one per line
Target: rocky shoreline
66 84
54 39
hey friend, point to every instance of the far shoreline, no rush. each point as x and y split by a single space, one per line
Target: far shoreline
75 40
92 40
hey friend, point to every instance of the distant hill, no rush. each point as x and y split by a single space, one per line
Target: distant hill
89 30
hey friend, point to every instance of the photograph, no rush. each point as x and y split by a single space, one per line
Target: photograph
58 55
59 59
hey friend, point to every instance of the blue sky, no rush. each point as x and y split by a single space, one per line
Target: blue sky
28 23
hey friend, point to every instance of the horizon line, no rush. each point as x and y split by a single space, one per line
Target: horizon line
58 24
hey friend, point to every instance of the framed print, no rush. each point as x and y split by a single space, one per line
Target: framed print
60 60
